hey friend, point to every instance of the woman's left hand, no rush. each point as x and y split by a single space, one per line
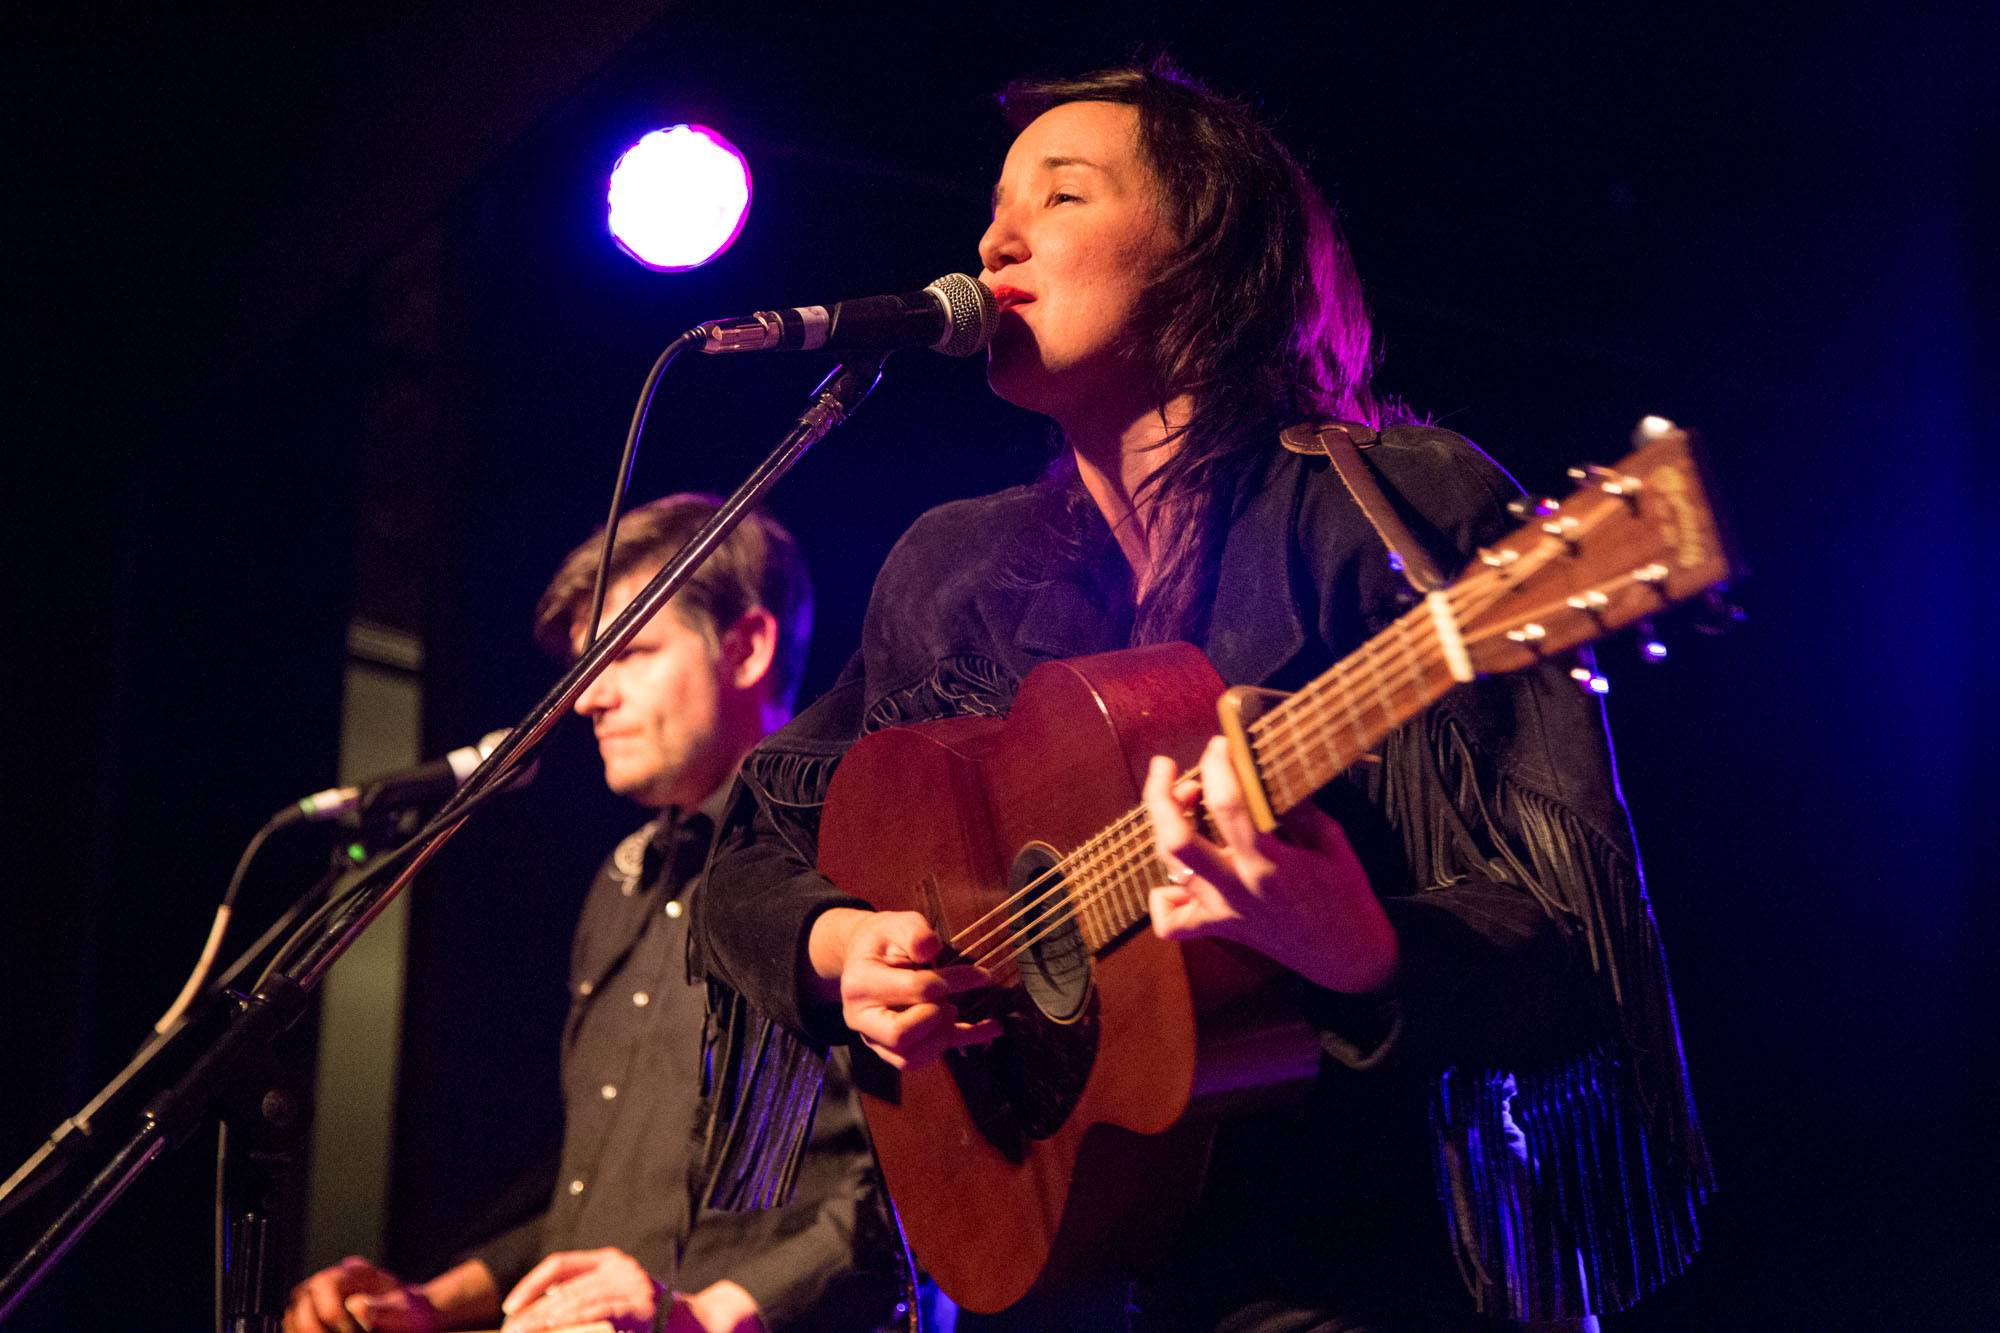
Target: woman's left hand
1301 899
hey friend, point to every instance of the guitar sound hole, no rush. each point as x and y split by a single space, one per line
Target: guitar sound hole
1055 970
1023 1085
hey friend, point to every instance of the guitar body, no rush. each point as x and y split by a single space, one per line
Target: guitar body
1026 1163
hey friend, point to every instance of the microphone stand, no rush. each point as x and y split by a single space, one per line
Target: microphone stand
228 1068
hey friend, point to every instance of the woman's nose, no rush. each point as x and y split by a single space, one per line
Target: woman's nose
1002 244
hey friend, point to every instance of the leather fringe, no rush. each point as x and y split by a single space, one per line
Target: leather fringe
761 1084
962 685
1560 1202
760 1081
791 784
1573 1189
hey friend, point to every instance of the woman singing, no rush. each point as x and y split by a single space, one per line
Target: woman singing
1501 1128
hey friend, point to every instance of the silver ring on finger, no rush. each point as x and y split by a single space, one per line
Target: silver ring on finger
1179 874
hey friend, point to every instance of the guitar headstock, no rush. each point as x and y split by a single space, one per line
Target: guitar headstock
1634 538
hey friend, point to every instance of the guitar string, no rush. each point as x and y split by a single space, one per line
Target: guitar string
1482 586
1056 921
1117 837
1018 943
1314 718
1313 721
1054 878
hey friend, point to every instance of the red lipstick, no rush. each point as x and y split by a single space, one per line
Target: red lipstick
1009 297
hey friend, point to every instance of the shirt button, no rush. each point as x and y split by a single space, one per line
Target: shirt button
674 908
641 999
608 1091
628 888
576 1186
585 987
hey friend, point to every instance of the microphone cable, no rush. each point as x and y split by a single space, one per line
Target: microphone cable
205 964
346 889
622 483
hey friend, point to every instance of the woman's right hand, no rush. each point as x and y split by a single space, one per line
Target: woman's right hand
877 965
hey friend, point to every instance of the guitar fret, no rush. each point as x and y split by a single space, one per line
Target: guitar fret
1402 628
1297 748
1136 887
1381 686
1093 896
1274 764
1334 761
1135 870
1353 710
1092 926
1114 895
1296 771
1107 885
1131 890
1312 737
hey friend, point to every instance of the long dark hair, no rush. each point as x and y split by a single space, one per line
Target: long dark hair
1257 315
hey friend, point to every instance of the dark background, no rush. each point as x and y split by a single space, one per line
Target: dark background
312 316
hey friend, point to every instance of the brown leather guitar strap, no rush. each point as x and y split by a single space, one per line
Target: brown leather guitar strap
1342 443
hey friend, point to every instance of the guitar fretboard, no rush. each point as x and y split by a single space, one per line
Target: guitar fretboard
1299 746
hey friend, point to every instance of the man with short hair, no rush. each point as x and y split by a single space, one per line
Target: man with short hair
674 714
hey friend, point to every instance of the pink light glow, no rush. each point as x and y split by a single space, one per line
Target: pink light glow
678 197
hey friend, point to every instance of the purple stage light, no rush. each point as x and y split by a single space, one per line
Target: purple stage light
678 197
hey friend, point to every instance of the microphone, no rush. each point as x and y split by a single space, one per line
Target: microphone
954 315
420 785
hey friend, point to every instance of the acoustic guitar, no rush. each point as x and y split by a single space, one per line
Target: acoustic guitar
1083 1130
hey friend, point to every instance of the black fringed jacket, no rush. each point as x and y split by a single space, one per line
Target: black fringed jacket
1516 1111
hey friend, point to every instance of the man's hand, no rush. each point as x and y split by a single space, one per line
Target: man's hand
889 995
355 1294
1302 899
609 1286
587 1286
720 1307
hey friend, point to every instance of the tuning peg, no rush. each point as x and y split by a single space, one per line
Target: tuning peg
1590 680
1592 604
1621 484
1654 576
1652 648
1651 428
1533 506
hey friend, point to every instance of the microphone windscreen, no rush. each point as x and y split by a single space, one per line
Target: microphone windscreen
970 314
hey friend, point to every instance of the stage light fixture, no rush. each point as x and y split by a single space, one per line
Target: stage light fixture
678 197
